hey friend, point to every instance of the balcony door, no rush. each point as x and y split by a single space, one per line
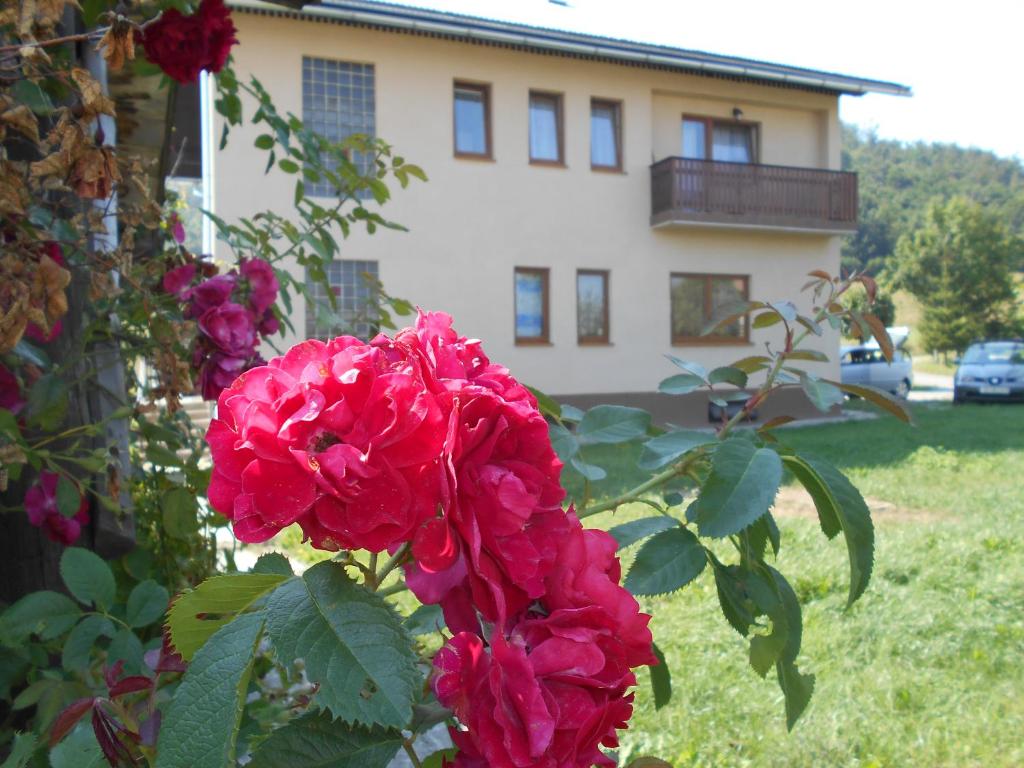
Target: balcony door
706 187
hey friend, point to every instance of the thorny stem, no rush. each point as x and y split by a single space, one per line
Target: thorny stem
394 589
407 746
392 562
659 479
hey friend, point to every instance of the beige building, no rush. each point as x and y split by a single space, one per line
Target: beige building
591 202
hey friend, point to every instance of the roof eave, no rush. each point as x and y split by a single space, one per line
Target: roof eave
505 33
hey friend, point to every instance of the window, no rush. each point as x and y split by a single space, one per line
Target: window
605 135
337 102
546 128
472 120
697 299
531 299
592 306
354 285
727 141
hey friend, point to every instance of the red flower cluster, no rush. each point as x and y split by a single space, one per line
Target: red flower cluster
229 330
41 506
183 46
419 439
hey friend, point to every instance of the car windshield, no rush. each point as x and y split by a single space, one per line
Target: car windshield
1009 352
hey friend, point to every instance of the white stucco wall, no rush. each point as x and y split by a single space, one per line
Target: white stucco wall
475 221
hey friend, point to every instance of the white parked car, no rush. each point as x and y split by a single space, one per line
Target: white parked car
865 364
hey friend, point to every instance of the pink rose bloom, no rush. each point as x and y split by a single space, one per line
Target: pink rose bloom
178 281
269 324
41 507
548 696
10 391
210 293
339 437
230 327
262 284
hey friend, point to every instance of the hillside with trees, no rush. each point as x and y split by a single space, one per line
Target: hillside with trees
898 181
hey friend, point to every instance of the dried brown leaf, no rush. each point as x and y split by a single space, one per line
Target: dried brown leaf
94 101
23 120
117 44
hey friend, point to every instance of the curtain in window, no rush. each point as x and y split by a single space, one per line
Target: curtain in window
603 136
590 308
726 293
687 306
732 143
694 140
470 127
544 128
529 305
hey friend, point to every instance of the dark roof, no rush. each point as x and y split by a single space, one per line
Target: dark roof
541 39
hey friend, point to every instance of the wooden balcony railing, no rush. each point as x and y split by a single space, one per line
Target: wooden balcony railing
748 195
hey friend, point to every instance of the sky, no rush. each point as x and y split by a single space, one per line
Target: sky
963 60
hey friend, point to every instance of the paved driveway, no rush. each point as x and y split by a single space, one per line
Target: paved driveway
931 387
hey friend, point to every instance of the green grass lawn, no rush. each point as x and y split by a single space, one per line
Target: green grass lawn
927 669
928 364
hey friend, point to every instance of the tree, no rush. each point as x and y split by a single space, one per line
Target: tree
959 265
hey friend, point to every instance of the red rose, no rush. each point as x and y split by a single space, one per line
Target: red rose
183 46
42 510
547 697
337 437
586 573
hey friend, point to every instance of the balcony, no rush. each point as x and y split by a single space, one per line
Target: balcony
749 196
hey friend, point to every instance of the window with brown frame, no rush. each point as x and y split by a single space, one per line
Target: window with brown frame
698 298
472 120
728 141
605 135
547 145
531 305
592 306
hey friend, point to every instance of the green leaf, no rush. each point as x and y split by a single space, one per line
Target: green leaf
288 166
635 530
198 614
273 563
695 369
571 413
797 689
78 646
437 760
612 424
48 402
352 642
315 740
661 679
200 728
68 497
766 319
162 457
822 394
425 620
681 384
740 488
146 603
592 472
126 647
88 577
728 375
548 406
48 614
666 562
840 508
883 400
264 141
21 751
563 442
32 96
665 449
79 749
180 513
733 597
731 313
752 364
811 355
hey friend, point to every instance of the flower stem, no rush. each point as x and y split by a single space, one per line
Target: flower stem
391 563
413 758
